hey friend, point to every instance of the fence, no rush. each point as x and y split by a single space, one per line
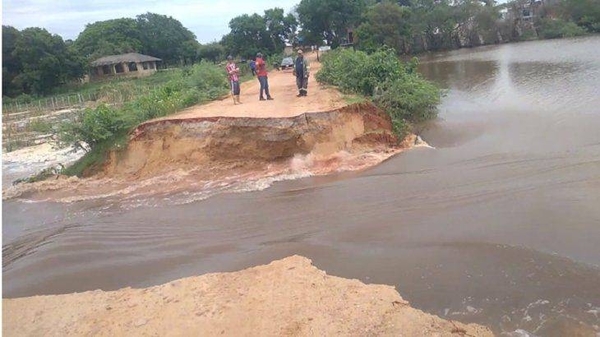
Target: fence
49 104
21 122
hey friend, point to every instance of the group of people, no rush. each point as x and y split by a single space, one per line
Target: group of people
301 70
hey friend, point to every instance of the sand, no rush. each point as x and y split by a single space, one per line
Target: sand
288 297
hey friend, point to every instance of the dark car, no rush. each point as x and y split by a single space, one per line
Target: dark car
286 63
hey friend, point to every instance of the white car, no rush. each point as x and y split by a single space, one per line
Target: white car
323 49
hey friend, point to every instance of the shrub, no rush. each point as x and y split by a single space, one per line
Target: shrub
393 86
40 125
409 99
556 28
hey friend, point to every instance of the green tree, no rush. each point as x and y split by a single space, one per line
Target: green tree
46 61
253 33
328 19
436 21
166 38
247 36
212 52
385 24
279 27
109 37
11 66
585 13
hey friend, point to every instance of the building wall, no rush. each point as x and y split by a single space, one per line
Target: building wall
98 73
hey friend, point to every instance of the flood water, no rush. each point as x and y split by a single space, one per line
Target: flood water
499 224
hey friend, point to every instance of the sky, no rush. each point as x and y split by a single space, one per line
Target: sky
209 20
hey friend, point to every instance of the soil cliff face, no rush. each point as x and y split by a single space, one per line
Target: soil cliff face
159 146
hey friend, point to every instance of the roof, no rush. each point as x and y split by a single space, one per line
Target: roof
130 57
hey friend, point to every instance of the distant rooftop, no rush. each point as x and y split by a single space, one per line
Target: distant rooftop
129 57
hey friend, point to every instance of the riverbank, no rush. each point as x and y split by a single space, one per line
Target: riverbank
222 144
288 297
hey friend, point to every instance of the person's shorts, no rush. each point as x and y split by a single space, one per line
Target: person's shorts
235 87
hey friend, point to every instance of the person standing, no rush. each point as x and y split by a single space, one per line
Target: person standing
261 72
233 73
301 71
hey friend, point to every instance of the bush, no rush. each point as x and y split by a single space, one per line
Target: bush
394 86
556 28
40 126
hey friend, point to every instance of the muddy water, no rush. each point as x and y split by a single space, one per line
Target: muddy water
499 224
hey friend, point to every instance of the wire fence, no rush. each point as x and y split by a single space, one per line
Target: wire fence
35 122
49 104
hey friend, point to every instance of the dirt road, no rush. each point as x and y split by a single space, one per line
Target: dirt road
282 85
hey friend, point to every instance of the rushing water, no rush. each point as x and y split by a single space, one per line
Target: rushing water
499 224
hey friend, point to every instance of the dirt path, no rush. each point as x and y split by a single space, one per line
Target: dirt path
282 85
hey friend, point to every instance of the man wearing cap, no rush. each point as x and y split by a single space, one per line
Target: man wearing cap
301 71
261 73
233 73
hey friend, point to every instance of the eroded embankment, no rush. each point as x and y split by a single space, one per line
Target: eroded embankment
222 143
289 297
183 160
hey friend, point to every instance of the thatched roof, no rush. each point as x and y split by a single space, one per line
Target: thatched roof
123 58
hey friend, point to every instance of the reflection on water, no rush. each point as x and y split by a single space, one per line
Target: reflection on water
499 224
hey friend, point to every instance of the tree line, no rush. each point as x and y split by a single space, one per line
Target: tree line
35 61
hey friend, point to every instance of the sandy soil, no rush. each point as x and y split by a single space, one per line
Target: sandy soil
282 85
289 297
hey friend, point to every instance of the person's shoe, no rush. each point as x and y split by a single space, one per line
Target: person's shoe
299 95
262 99
269 98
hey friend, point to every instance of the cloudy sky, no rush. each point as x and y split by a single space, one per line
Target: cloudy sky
207 19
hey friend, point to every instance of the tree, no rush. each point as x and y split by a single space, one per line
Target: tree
11 66
110 37
248 35
584 13
436 21
212 52
166 38
328 19
385 24
46 61
253 33
279 27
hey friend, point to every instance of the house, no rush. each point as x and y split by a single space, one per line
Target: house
131 64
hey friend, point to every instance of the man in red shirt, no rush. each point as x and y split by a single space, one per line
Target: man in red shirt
261 72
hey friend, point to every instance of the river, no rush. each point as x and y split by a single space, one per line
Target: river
498 223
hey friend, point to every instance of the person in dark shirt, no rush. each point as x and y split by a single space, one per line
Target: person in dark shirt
301 71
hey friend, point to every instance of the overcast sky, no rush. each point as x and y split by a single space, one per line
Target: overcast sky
209 20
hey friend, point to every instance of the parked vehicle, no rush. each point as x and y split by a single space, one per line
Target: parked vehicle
286 63
323 49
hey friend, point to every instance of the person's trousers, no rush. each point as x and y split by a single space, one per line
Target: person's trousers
302 83
264 86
